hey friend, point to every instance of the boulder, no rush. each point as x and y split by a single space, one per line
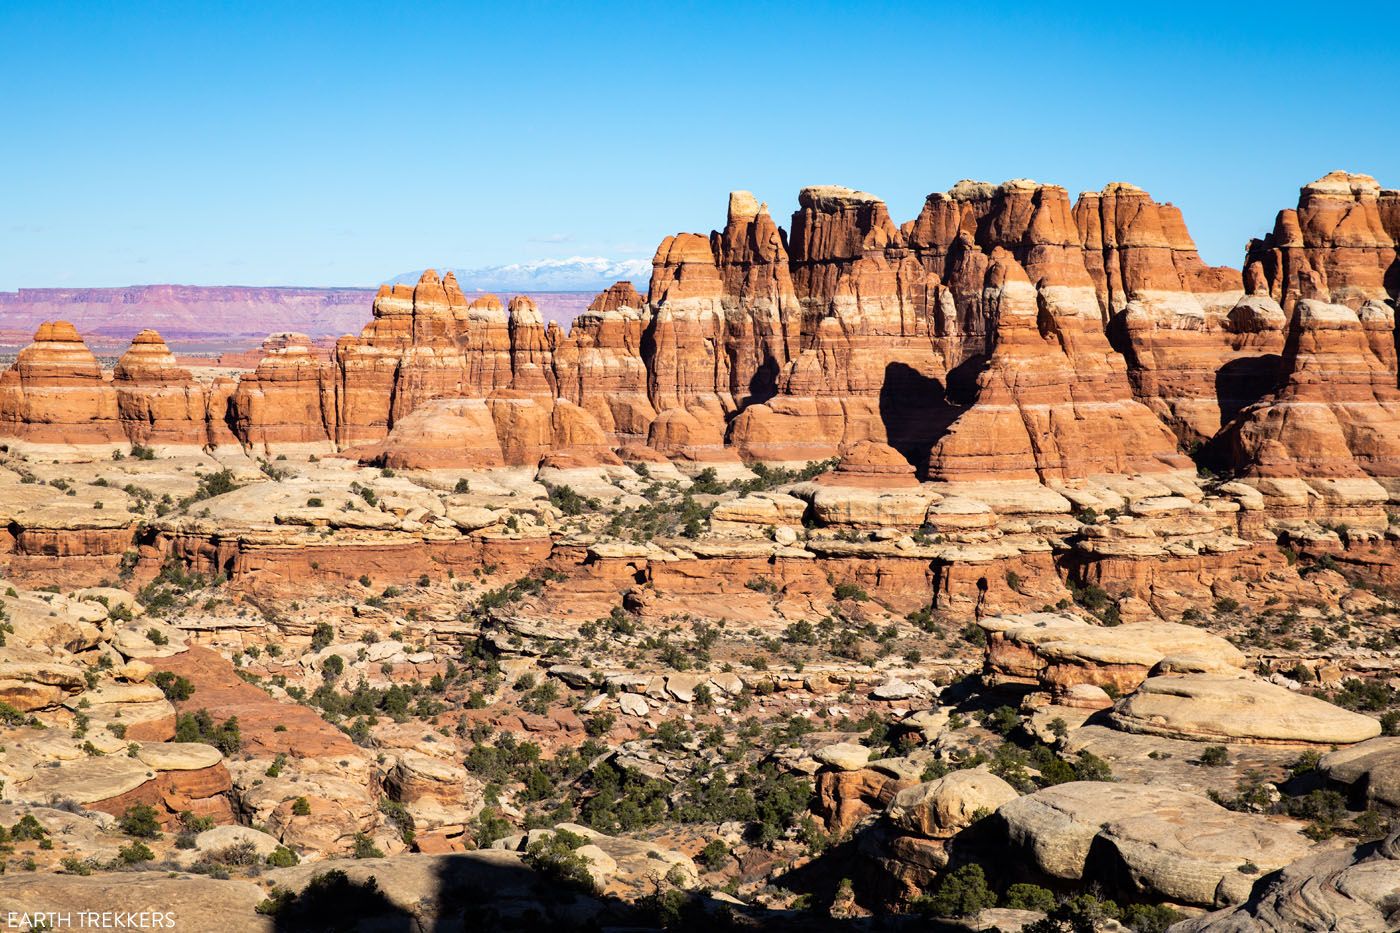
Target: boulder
1350 890
1161 842
1216 708
843 756
1057 651
940 809
222 837
1369 770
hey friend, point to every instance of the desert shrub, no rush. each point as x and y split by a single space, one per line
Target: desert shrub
365 847
715 854
569 502
961 893
27 829
1002 720
283 857
844 591
240 854
1215 756
1151 918
139 820
214 484
174 686
1029 897
200 727
555 858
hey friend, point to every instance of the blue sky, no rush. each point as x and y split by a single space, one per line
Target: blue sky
340 144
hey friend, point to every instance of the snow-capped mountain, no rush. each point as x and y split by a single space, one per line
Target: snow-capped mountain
577 273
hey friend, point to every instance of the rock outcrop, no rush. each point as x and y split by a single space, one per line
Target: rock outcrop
508 429
286 404
1338 245
1053 402
54 399
1224 708
1192 359
1336 415
159 403
1000 336
870 361
1058 652
1369 771
1153 840
599 365
1348 890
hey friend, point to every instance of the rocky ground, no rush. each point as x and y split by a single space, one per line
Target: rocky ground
756 720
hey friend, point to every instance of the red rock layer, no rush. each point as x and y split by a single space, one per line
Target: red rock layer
427 342
510 428
1138 250
599 366
1339 245
866 463
1053 402
250 359
852 330
872 356
724 323
55 394
1170 313
159 403
1337 414
287 402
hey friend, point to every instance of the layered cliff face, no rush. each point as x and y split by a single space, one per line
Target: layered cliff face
1054 401
159 403
1335 420
249 359
57 403
286 405
1171 314
1002 334
599 365
426 341
1137 250
872 357
507 429
1338 245
55 396
725 321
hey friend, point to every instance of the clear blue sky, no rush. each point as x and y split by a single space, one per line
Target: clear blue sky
339 144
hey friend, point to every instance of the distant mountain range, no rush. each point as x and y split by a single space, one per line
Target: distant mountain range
577 273
236 312
233 316
226 317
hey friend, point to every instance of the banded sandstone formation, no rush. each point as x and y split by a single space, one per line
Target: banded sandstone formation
1003 334
1338 245
55 397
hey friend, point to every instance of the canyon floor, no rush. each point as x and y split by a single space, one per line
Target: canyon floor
628 696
